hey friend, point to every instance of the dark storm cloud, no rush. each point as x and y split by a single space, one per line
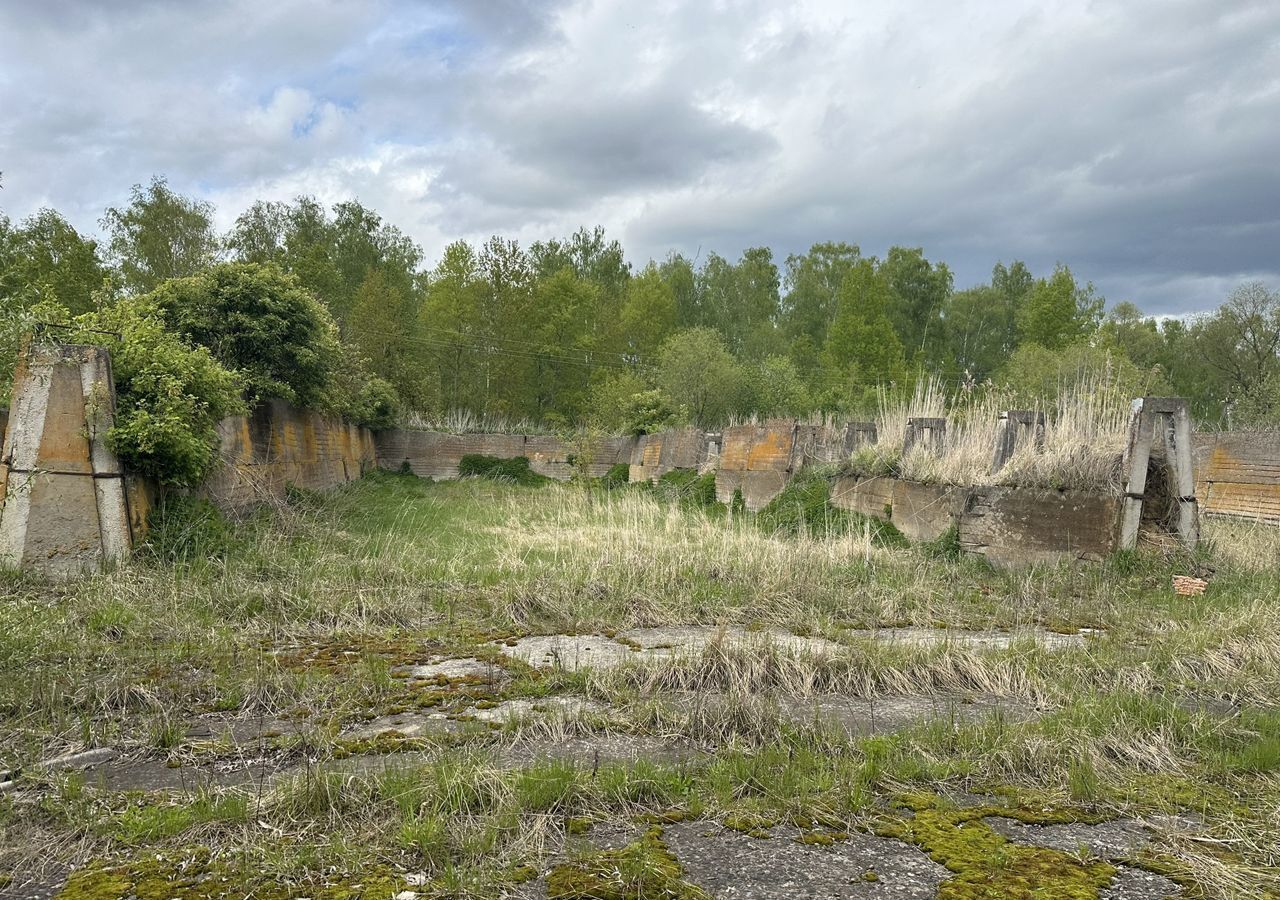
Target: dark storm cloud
1135 142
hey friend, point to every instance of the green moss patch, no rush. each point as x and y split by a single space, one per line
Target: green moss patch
985 863
645 868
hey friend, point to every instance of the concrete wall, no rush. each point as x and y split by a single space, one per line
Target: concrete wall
279 445
759 460
436 455
63 498
1238 474
922 512
1015 527
654 455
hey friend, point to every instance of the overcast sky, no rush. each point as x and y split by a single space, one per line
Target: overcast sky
1138 142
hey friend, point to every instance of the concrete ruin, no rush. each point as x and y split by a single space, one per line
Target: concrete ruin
68 507
64 503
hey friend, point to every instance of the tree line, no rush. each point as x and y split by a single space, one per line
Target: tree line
566 331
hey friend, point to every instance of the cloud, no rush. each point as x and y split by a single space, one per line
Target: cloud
1135 142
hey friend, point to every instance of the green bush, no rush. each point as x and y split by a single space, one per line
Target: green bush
169 396
619 475
804 507
687 487
514 471
258 321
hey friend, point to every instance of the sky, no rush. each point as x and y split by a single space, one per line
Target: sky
1137 142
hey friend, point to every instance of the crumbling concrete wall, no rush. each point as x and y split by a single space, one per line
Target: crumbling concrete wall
1015 527
63 500
279 446
1238 474
759 460
654 455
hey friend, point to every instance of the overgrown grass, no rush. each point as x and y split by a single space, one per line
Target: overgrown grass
300 618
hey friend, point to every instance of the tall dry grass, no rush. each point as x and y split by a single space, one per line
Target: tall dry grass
1086 428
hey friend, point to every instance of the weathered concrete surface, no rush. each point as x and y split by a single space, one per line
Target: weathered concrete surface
759 460
595 749
572 652
1238 474
924 512
63 503
865 496
509 711
976 640
654 455
729 864
1017 527
692 640
278 446
433 454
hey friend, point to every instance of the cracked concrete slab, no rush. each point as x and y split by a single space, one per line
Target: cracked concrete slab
692 640
728 864
568 652
409 724
1138 884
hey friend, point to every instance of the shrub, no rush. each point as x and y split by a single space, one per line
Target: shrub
169 396
515 470
687 487
804 507
260 322
619 475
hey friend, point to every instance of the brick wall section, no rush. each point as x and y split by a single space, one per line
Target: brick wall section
1238 474
654 455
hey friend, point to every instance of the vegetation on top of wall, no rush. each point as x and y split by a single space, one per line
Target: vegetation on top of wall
170 396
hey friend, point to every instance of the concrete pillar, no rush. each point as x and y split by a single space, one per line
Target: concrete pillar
927 432
858 434
1016 427
63 509
1170 415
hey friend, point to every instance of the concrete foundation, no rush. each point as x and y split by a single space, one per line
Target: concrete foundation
1238 475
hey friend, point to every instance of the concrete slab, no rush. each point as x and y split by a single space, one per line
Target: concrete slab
450 669
728 864
1110 840
1138 884
692 640
569 652
596 749
990 639
519 710
408 724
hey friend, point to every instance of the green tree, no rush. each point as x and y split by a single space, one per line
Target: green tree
1058 312
1241 341
779 389
648 313
696 370
258 321
813 283
863 349
47 259
919 292
160 235
383 329
976 332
